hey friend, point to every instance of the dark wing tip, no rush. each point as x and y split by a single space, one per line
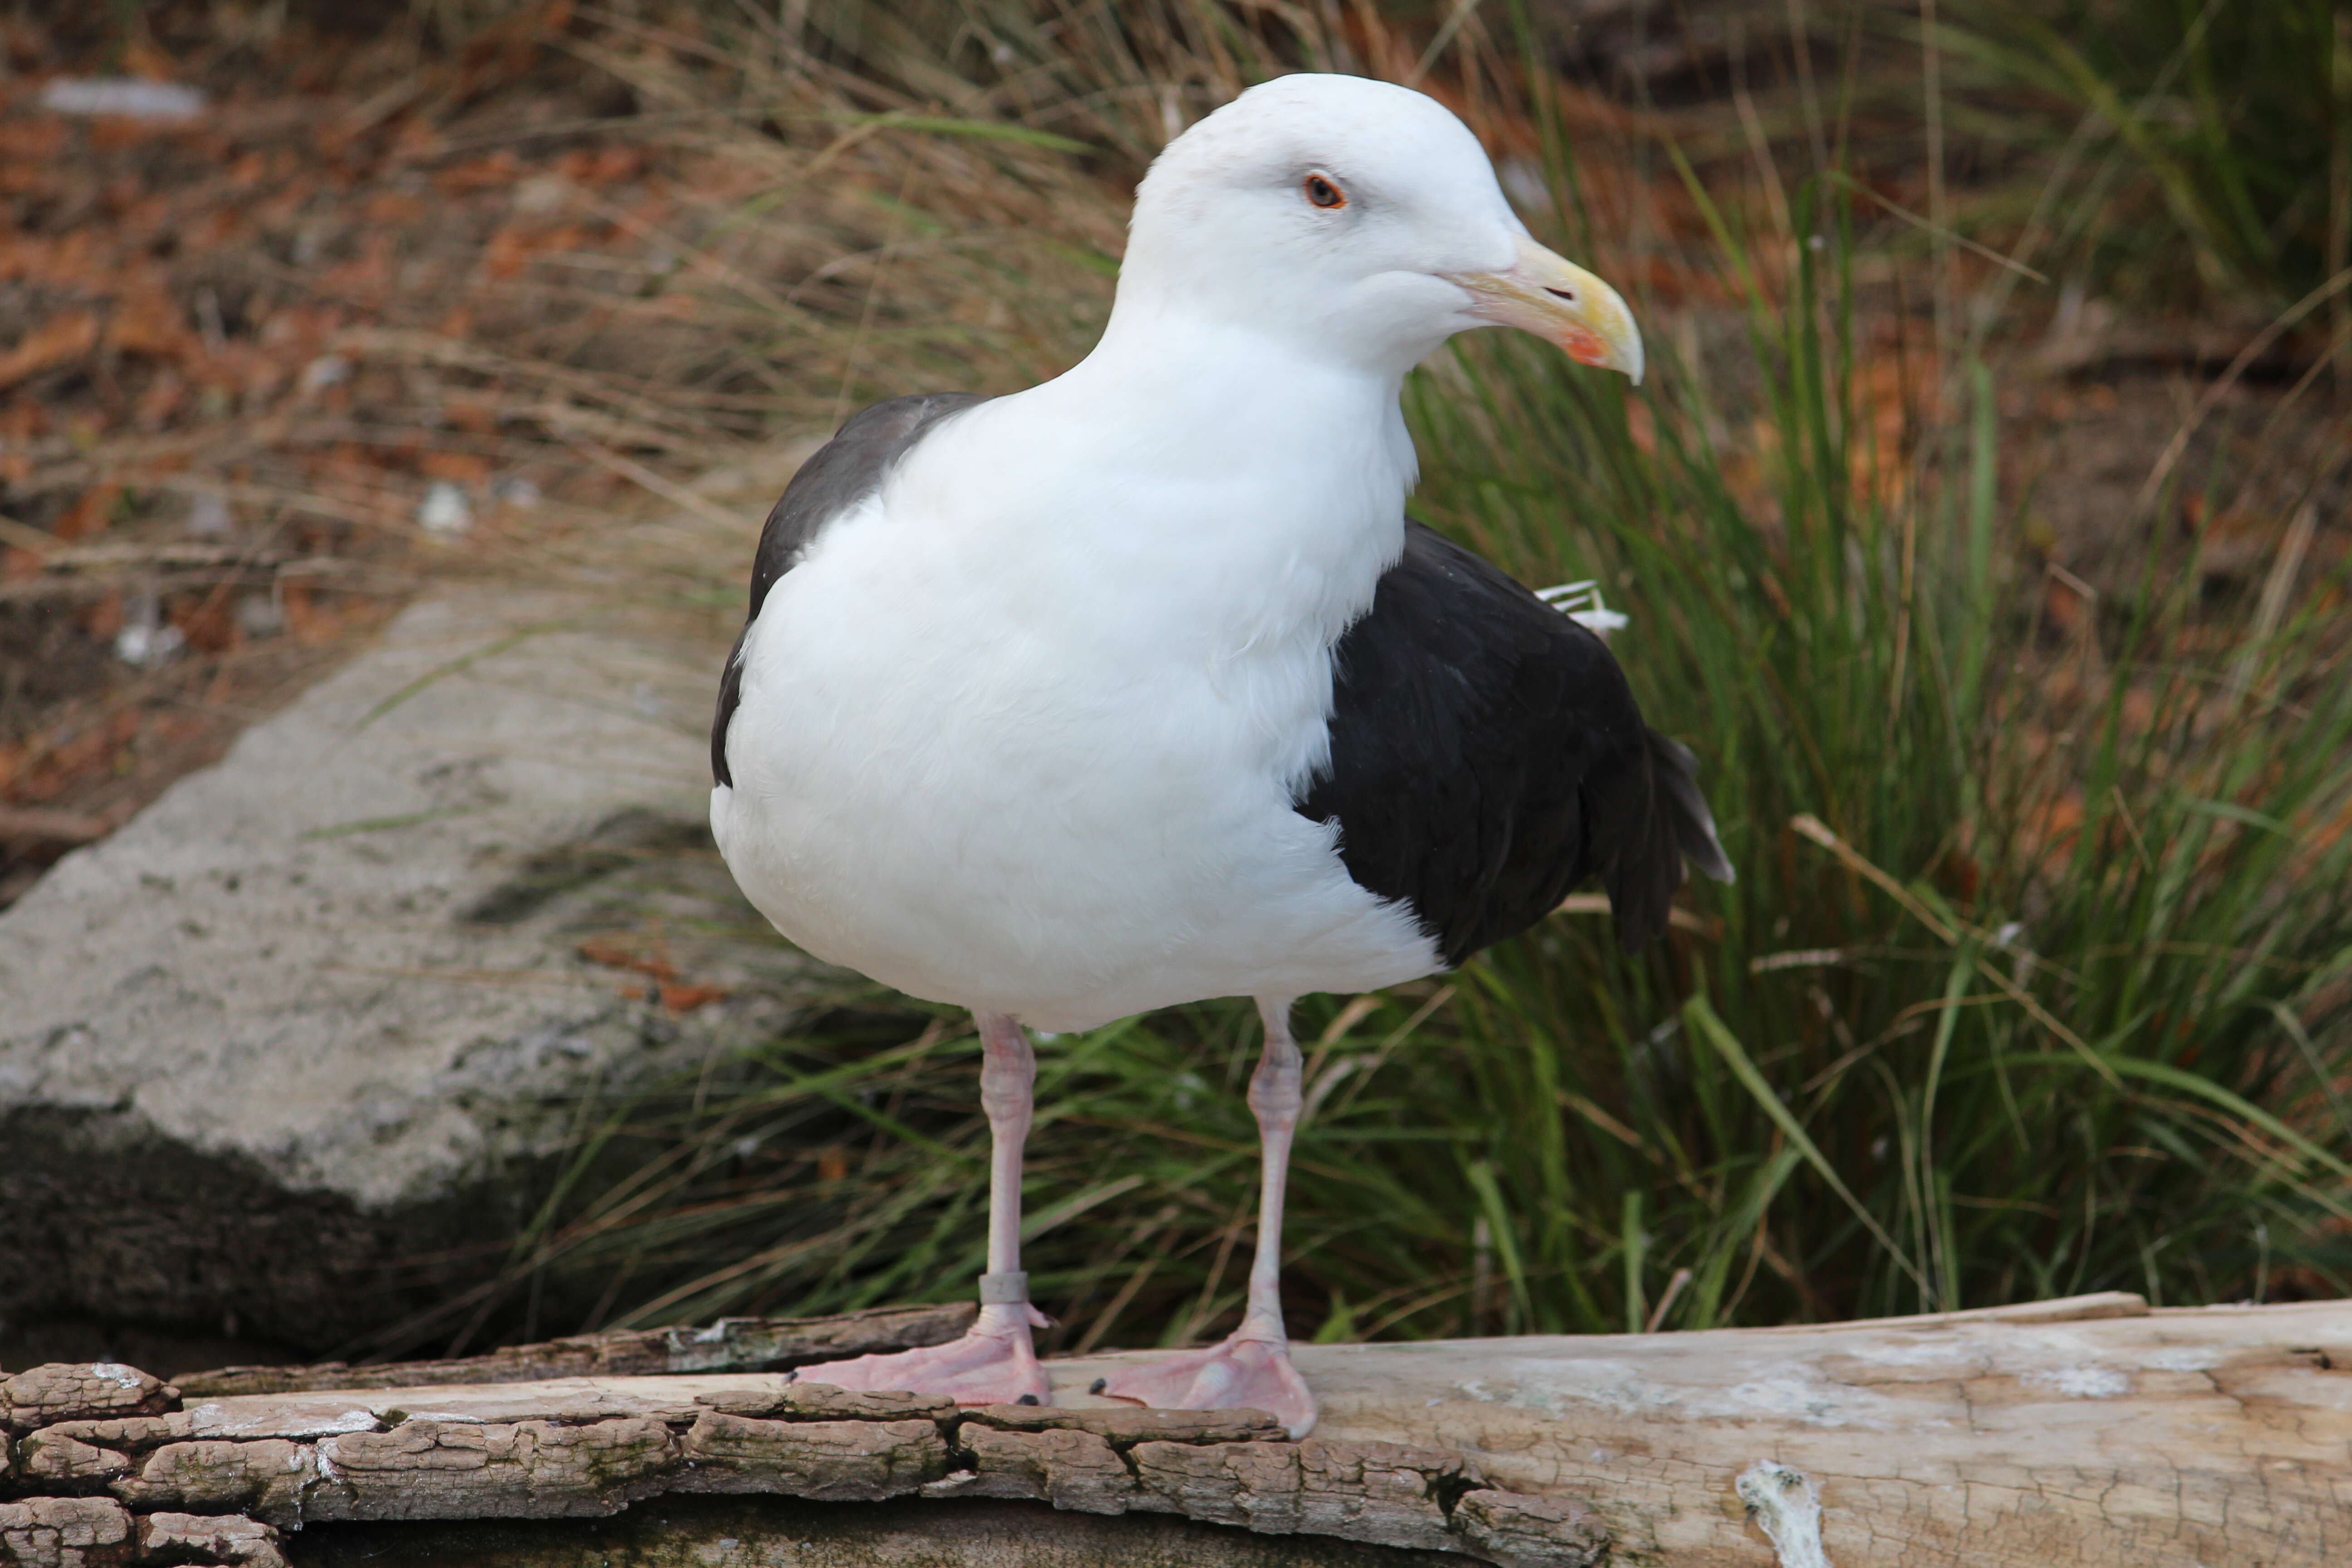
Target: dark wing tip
1644 872
1677 771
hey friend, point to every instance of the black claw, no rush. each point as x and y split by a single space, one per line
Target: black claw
1028 1399
1098 1386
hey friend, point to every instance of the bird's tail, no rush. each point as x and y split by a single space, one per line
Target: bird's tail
1642 870
1675 772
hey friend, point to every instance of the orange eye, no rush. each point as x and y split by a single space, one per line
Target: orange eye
1325 192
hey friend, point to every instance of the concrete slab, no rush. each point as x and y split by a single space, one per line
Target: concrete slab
309 1012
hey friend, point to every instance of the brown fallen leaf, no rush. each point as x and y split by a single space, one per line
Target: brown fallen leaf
620 952
149 323
681 998
57 342
90 513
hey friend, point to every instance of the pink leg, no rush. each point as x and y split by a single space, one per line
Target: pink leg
994 1363
1251 1370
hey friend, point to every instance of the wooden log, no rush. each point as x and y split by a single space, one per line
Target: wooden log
2093 1432
732 1344
592 1446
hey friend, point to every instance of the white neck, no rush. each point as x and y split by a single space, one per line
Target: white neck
1239 495
1207 396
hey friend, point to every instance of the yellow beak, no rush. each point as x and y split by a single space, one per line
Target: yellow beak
1561 303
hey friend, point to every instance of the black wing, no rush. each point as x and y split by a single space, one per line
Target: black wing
845 471
1486 756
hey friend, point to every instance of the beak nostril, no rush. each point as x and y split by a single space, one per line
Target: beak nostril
1567 294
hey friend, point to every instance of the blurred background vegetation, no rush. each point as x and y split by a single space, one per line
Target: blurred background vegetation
1983 527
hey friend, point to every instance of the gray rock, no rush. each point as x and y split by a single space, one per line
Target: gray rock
315 1010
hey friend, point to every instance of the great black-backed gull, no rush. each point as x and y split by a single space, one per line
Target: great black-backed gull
1138 687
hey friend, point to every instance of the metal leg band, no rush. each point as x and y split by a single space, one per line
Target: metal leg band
1003 1290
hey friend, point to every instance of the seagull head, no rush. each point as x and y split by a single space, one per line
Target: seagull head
1352 220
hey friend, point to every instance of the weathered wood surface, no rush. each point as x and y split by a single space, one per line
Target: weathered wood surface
587 1447
2216 1436
731 1344
2093 1432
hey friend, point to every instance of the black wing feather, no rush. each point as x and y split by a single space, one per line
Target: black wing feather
1486 756
843 472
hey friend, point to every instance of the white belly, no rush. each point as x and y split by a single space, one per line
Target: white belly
1068 816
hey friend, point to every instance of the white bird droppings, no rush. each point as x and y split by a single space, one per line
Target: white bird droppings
1788 1508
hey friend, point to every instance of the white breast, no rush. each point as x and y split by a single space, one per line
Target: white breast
1022 732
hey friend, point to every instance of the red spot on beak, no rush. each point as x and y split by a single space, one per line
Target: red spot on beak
1584 346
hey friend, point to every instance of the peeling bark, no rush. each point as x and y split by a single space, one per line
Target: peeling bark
228 1538
1124 1425
55 1462
63 1391
64 1532
832 1461
1075 1471
264 1479
590 1447
452 1469
732 1344
1513 1531
1382 1492
822 1401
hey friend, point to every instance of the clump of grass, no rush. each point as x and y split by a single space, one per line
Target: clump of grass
2037 979
2222 126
